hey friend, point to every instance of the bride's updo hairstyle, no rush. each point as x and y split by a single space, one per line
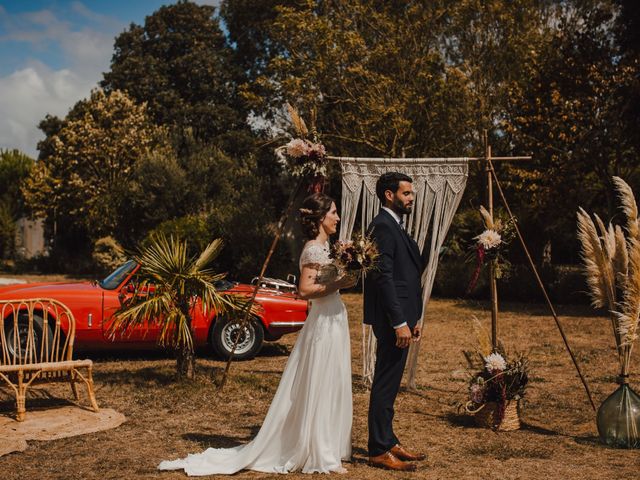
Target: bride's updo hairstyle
313 210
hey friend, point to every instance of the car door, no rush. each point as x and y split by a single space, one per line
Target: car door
146 333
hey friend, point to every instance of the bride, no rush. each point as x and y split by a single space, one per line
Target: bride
308 425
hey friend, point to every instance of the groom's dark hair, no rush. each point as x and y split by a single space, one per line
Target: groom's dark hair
390 181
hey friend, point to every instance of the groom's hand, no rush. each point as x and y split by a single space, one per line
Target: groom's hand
417 333
403 337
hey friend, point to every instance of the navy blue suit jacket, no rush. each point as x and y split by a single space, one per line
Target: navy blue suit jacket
392 291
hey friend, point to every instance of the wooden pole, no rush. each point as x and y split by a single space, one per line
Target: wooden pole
492 266
247 312
544 291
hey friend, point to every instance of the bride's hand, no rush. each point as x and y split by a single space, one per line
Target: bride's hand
347 280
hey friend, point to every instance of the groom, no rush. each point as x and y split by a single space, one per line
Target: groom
392 306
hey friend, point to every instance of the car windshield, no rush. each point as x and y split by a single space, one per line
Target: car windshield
223 285
118 275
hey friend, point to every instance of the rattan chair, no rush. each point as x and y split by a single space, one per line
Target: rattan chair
36 340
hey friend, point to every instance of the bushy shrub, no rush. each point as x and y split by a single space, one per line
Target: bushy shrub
193 228
107 254
7 232
565 284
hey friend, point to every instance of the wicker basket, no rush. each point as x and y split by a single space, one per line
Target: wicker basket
485 417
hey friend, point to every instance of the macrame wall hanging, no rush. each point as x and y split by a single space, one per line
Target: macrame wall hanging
438 183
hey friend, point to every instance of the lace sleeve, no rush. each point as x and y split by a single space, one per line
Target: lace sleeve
313 255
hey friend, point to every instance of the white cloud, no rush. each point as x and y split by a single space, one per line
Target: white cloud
213 3
28 94
35 89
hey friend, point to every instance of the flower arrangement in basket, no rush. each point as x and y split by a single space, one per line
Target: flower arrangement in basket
303 157
491 246
495 390
612 268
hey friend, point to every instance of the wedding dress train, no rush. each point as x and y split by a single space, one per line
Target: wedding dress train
308 425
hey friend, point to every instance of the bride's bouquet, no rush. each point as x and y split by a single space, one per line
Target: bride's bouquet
357 256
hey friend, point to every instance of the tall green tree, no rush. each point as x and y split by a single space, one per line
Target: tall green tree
90 159
566 111
375 72
628 36
179 63
15 167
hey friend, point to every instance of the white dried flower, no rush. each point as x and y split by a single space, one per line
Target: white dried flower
489 239
494 362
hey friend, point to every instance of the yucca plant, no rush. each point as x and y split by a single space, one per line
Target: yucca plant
612 267
171 285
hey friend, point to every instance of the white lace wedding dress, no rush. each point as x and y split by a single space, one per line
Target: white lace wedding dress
308 425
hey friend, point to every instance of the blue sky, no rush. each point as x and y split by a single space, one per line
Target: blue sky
52 53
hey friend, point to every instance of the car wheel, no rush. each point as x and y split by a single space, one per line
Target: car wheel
23 332
225 332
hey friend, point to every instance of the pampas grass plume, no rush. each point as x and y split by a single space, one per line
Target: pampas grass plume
297 121
598 271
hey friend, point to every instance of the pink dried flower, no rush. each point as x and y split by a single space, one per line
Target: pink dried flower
298 147
476 393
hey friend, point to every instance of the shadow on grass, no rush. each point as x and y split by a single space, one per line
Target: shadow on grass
215 441
36 400
138 377
467 421
593 441
272 349
460 420
206 440
540 430
359 455
268 350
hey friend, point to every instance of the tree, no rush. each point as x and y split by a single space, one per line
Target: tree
89 161
170 286
220 197
180 64
15 167
566 109
374 72
628 36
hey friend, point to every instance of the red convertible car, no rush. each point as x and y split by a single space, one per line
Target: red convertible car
93 303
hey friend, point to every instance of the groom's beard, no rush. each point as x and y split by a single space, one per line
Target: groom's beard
401 209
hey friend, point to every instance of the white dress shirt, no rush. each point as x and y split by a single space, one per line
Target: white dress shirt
398 219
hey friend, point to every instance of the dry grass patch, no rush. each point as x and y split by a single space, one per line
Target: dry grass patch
167 420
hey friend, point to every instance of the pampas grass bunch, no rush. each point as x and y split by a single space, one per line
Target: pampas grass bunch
612 268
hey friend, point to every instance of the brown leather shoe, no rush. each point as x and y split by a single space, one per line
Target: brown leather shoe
407 455
389 461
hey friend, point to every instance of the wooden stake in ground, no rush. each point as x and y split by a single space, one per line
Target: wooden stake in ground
412 360
540 284
247 312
